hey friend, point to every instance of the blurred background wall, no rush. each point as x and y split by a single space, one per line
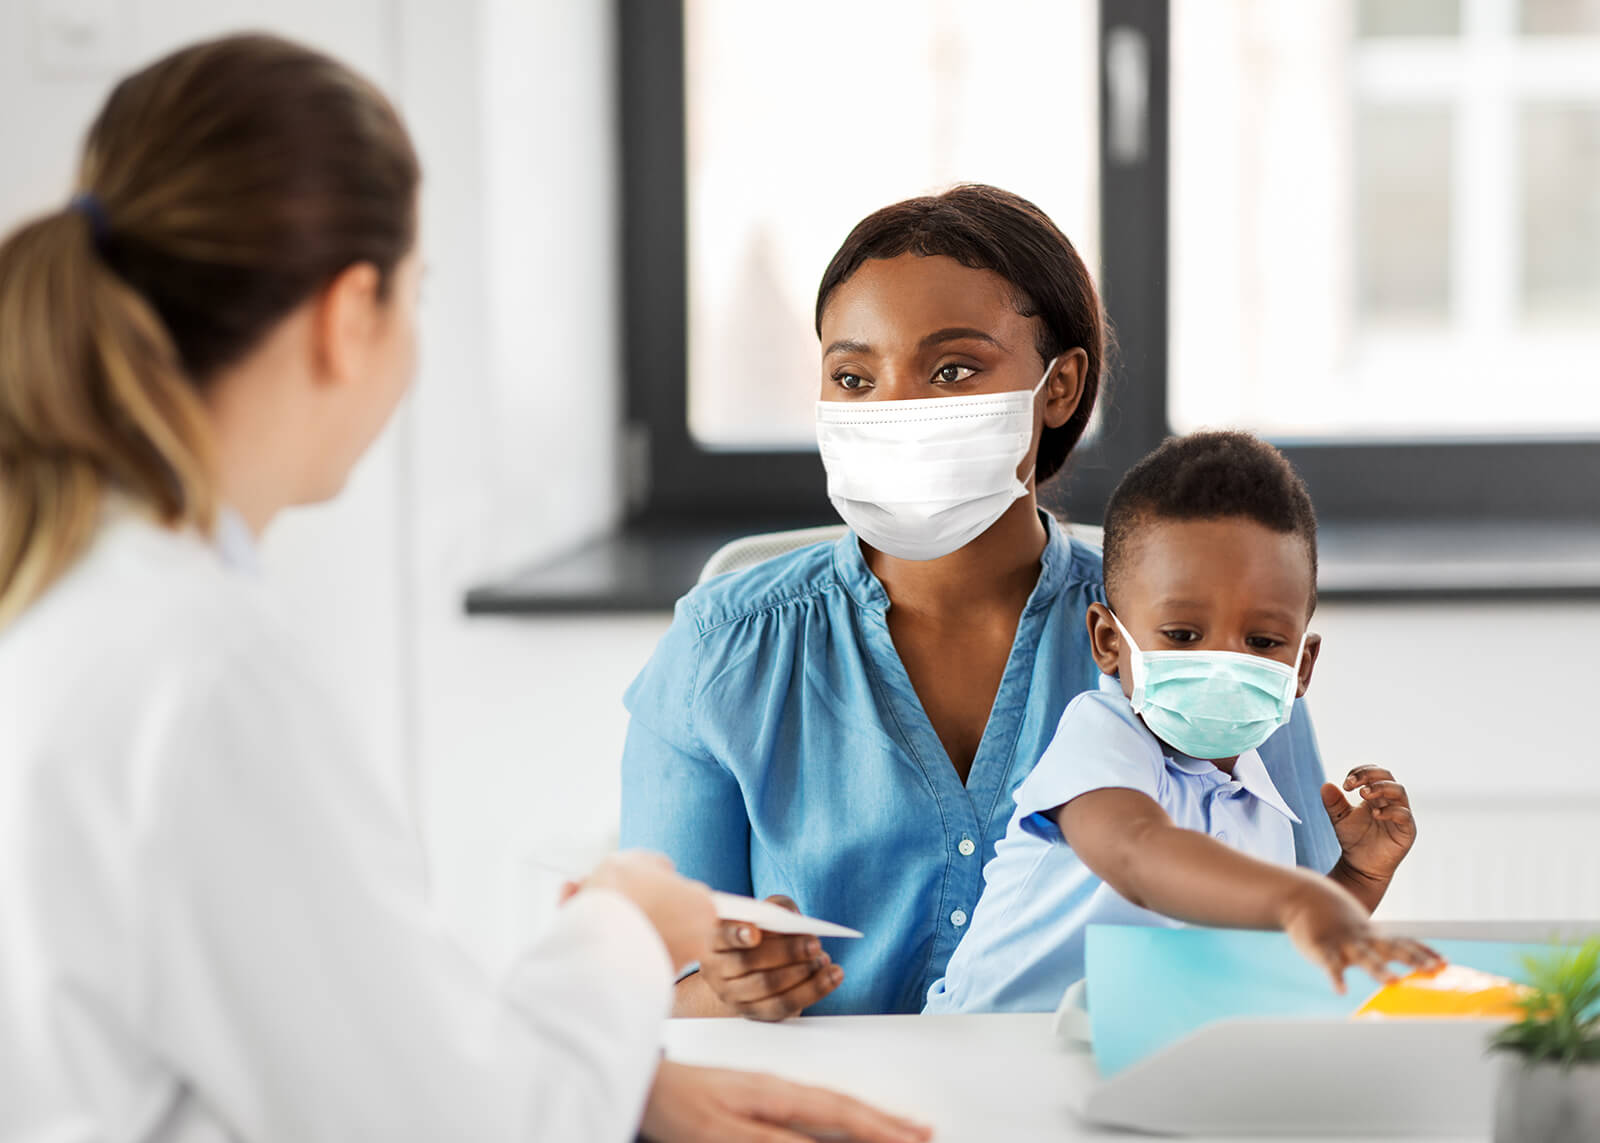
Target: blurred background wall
1301 133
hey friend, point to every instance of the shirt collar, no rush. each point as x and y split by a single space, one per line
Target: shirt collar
235 543
1251 773
864 587
1248 770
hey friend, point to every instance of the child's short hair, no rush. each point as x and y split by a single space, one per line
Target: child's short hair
1207 476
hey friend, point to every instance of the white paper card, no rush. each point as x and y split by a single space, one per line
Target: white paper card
772 918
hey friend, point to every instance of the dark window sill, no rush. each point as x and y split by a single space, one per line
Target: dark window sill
647 566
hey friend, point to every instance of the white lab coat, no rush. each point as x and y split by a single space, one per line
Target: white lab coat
213 922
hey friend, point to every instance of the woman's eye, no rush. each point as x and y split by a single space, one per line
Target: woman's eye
850 381
950 374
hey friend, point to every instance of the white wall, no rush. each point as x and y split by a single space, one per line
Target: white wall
509 731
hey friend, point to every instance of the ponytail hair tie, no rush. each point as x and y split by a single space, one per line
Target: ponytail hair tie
87 204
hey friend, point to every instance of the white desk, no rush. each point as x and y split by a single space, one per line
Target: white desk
977 1079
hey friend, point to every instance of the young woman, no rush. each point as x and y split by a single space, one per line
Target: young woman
212 923
844 727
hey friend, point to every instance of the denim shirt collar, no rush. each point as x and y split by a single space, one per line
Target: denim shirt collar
868 593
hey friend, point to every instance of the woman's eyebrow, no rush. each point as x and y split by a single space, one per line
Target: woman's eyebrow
847 346
960 333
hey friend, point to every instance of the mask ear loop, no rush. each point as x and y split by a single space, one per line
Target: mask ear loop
1294 677
1136 664
1045 380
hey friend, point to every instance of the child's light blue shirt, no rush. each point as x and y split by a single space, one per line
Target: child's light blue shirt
1025 943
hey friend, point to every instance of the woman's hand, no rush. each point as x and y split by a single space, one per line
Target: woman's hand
1375 834
1331 928
691 1104
680 909
767 976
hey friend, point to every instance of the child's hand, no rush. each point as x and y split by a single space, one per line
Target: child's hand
1331 928
1376 832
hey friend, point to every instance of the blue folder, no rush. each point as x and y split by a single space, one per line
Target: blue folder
1148 987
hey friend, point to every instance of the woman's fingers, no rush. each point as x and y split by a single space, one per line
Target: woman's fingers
817 1110
774 951
797 999
757 986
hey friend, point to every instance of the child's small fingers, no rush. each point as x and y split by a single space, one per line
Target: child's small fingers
1404 950
1366 775
1372 957
1388 791
1334 962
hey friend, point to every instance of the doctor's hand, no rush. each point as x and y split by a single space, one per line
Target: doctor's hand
767 976
1332 929
1375 834
680 909
742 1107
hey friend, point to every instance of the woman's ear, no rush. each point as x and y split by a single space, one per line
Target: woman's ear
1105 641
1064 389
1308 662
345 323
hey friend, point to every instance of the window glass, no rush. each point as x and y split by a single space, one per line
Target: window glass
803 118
1386 219
1408 17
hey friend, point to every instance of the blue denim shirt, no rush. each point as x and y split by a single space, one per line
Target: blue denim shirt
777 746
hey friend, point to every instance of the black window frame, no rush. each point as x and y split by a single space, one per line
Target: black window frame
671 477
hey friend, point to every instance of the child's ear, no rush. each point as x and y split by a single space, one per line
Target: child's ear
1308 662
1105 641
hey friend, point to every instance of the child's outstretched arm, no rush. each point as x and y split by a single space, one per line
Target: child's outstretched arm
1131 844
1375 834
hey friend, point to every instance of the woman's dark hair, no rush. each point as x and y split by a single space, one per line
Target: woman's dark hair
219 188
987 228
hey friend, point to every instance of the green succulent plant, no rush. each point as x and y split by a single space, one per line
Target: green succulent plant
1561 1016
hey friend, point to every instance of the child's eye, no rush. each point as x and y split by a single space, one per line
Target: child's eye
1179 635
851 381
1264 642
950 374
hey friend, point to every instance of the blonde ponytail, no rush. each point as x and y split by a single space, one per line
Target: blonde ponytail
225 185
92 396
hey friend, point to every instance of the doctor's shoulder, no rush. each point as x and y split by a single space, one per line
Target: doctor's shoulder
143 602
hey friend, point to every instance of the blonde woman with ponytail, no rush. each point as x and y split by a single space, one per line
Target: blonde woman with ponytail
213 925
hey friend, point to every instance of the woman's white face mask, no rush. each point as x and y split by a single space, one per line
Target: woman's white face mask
923 478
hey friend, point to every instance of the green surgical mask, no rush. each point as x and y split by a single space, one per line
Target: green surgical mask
1211 704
